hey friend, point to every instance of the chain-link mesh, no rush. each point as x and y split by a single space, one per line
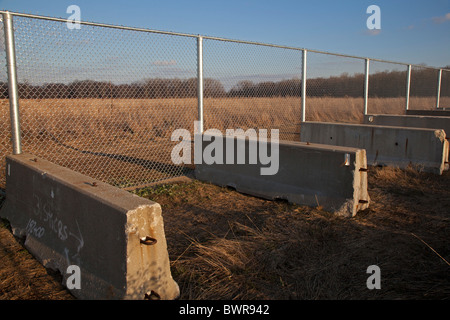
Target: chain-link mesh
444 100
334 88
5 124
387 88
104 101
424 82
250 86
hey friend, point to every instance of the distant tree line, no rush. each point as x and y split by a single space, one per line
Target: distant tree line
148 89
381 84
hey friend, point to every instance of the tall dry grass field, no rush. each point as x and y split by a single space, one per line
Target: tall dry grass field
444 102
127 141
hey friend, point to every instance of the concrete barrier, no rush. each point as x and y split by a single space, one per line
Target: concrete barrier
433 113
409 121
331 177
115 238
384 145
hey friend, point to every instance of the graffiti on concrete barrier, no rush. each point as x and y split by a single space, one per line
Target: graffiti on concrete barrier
46 218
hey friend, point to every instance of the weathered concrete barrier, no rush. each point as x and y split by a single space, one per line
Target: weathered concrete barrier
332 177
384 145
115 238
429 122
433 113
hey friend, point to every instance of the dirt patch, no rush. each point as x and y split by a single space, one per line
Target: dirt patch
227 245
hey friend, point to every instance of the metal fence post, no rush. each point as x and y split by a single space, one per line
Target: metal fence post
200 82
366 86
303 119
12 82
438 95
408 85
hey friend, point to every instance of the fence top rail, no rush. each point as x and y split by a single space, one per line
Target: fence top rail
96 24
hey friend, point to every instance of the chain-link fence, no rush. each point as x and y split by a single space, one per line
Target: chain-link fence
387 88
334 88
444 98
252 86
424 88
5 123
104 100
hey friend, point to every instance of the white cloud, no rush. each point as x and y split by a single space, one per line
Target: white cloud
441 19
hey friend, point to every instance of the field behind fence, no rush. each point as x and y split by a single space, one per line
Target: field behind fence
104 100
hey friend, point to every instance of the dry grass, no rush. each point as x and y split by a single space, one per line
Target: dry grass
126 142
225 245
75 119
88 122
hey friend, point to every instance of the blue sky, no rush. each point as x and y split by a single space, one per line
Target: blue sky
416 32
411 31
